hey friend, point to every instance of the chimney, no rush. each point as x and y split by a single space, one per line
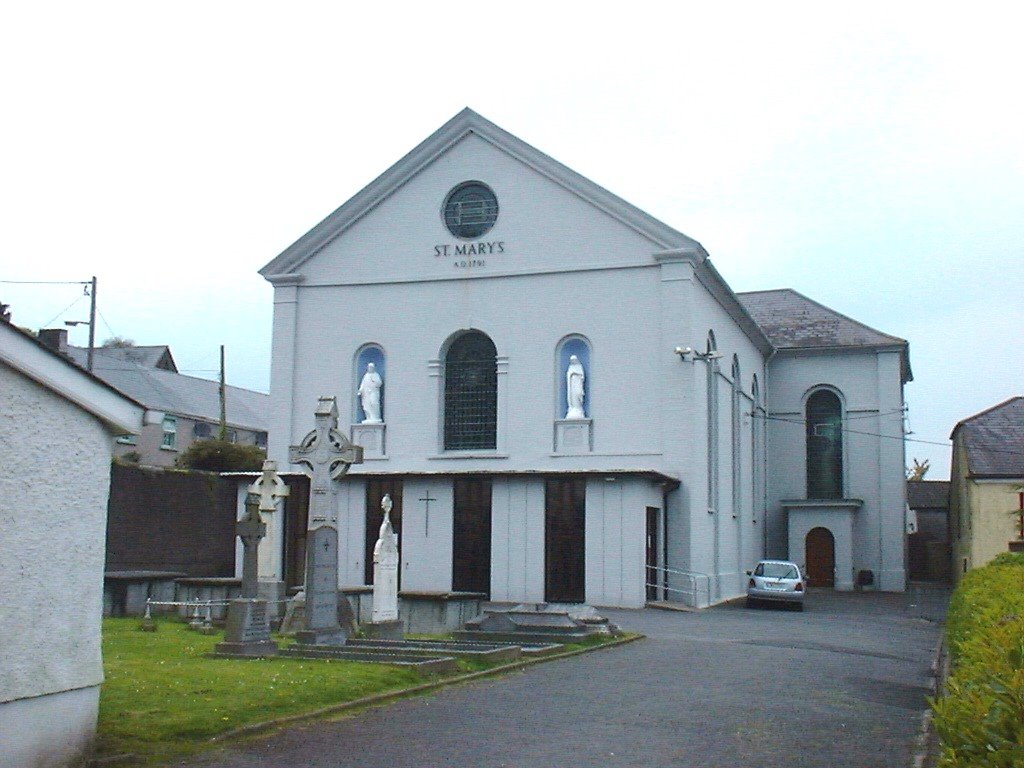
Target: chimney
55 338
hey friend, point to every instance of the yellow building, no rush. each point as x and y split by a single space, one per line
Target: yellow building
987 477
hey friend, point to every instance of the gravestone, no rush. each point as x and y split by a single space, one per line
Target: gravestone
328 454
385 622
248 623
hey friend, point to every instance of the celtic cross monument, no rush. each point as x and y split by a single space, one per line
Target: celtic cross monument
328 454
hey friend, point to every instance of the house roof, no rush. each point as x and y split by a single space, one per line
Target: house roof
791 321
175 393
118 411
928 494
469 122
994 440
158 356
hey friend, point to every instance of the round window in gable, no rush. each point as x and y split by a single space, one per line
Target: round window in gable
470 210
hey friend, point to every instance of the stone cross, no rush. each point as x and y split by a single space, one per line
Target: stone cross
385 569
248 626
328 454
250 529
269 487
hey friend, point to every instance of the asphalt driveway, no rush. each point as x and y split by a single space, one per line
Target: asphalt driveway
841 684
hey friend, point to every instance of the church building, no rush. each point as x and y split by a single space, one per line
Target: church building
567 402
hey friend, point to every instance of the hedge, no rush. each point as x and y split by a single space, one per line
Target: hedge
980 716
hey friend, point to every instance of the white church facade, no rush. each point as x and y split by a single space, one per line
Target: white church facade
567 402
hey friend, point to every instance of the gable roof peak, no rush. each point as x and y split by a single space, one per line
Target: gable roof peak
465 122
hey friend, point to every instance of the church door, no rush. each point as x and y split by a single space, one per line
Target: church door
471 536
820 549
376 489
564 538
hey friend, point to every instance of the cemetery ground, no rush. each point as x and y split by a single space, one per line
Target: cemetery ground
842 684
165 698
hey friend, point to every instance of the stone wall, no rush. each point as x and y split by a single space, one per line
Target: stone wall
170 520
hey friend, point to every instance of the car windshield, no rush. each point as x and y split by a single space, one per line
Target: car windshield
777 570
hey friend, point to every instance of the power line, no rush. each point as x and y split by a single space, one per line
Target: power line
69 306
112 333
905 439
46 282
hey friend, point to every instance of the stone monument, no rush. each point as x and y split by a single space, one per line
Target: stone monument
385 622
248 622
328 454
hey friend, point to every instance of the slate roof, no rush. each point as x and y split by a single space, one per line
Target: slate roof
994 440
928 494
790 320
175 393
148 357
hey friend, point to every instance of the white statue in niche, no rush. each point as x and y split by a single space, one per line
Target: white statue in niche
369 394
574 378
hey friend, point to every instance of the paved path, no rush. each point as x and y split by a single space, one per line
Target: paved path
842 684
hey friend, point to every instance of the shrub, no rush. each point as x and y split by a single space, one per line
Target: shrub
221 456
980 718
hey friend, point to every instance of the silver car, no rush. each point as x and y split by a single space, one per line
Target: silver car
776 581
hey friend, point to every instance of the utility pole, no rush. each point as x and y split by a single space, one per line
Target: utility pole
92 324
223 400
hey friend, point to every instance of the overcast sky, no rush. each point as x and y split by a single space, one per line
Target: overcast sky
868 156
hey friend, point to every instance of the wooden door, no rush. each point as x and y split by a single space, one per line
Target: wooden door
296 519
376 489
471 536
653 576
565 539
820 550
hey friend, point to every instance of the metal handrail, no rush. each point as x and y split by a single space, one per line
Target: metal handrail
693 580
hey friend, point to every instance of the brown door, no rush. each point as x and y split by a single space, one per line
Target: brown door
471 536
820 549
653 576
296 518
376 489
564 540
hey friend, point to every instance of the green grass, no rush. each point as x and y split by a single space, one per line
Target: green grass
164 698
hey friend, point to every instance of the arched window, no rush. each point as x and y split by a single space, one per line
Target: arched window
736 425
470 393
366 355
711 384
756 441
824 445
579 347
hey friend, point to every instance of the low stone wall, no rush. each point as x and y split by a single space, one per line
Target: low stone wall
125 592
213 588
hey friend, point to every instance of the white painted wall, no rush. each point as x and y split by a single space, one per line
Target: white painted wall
566 266
53 507
517 540
427 549
868 381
